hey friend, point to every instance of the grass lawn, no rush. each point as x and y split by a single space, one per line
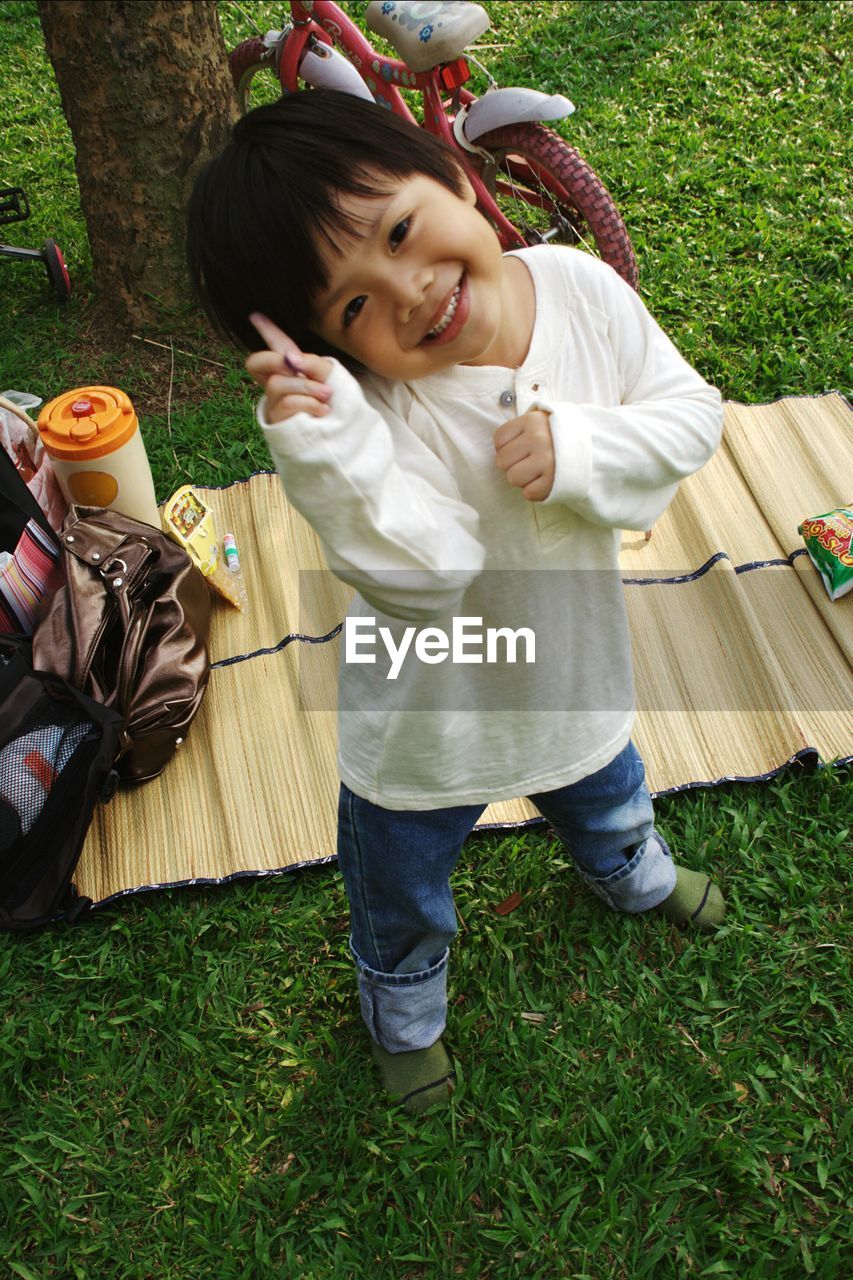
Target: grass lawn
185 1088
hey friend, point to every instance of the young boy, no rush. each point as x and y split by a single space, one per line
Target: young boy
467 432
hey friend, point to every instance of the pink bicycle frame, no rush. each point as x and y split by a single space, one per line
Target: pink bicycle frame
328 23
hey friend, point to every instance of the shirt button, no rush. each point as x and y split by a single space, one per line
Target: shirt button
507 398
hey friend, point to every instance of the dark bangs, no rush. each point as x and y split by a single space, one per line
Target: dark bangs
262 212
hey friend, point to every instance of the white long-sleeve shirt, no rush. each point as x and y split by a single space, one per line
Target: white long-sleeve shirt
401 484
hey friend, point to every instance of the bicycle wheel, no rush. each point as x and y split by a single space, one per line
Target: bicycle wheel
57 270
549 193
245 62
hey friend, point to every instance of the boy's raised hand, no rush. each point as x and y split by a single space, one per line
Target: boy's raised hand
525 452
293 381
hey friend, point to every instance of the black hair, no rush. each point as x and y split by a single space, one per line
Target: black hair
263 210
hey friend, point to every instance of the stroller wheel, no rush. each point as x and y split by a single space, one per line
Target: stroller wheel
57 270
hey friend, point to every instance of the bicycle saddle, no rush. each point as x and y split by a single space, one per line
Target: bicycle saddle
426 34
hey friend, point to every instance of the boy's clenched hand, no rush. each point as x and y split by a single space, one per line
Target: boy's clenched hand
525 451
293 381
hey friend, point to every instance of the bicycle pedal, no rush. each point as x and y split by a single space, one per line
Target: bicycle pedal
14 206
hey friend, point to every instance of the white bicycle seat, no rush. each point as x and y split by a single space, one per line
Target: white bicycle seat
425 34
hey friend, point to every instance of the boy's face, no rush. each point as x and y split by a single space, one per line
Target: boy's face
423 290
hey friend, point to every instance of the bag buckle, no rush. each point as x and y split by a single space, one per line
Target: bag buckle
116 566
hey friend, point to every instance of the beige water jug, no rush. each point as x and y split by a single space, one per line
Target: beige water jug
92 434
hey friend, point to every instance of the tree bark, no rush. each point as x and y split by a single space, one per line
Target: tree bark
148 97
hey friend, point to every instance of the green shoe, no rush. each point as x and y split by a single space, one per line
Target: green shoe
695 900
416 1080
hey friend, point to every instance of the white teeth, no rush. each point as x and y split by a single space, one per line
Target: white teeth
448 315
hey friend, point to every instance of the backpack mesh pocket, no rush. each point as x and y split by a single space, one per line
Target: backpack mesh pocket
57 748
43 772
30 768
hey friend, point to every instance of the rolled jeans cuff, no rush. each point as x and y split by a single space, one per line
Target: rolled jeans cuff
403 1011
642 883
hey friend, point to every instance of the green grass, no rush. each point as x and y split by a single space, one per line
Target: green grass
185 1089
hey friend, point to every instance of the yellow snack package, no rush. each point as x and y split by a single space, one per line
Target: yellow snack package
189 521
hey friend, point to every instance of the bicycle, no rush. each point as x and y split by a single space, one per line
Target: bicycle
529 182
14 207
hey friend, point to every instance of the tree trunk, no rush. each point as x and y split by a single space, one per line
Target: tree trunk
147 94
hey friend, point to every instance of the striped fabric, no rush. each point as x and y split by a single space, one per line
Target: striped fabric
25 578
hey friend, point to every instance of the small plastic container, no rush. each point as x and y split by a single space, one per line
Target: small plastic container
232 564
92 436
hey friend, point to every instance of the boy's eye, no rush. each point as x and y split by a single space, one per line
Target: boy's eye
398 233
352 309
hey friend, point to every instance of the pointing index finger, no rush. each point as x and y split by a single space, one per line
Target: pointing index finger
277 340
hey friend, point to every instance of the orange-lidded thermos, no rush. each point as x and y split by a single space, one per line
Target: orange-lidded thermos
92 435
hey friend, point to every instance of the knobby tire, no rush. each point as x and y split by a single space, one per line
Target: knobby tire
248 58
579 197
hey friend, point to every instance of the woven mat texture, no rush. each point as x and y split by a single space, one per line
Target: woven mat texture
742 661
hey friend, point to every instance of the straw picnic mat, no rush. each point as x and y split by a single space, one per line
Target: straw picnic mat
742 662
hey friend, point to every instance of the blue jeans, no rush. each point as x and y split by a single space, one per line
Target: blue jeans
396 866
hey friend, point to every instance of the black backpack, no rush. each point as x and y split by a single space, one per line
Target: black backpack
57 749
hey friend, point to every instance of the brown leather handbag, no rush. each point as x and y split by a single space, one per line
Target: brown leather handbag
130 629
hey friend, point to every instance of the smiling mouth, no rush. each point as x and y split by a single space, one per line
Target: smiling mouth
449 312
